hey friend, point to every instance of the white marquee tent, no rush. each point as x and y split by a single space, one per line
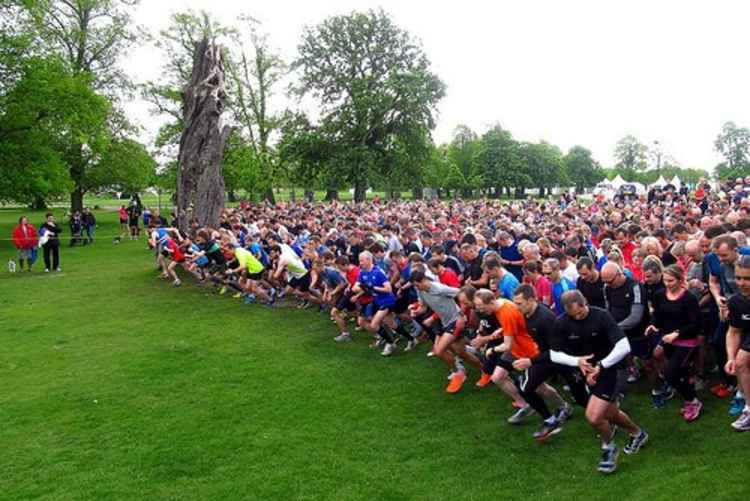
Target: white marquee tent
617 182
676 183
661 182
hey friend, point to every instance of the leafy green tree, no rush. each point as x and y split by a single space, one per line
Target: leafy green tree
255 76
46 107
437 169
499 159
581 170
374 85
734 144
632 156
124 165
543 166
463 151
89 37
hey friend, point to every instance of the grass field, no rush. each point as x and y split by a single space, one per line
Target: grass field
117 386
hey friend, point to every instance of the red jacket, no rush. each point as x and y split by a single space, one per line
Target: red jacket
24 240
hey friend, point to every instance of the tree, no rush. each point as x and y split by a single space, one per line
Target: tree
46 107
499 159
632 156
734 144
254 78
242 169
463 151
307 155
89 36
200 186
544 164
374 85
124 165
581 170
177 44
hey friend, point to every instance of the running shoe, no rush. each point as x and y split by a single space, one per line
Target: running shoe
691 410
430 354
721 390
250 299
387 351
549 427
343 337
669 393
223 290
657 399
736 406
636 442
411 344
237 296
176 283
274 295
484 380
743 422
564 413
457 382
633 375
520 415
608 464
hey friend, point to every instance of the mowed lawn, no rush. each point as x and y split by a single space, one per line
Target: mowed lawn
115 385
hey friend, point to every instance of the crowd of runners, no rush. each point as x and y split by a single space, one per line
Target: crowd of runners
591 296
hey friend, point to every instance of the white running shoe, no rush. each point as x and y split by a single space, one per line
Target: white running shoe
343 337
387 350
520 415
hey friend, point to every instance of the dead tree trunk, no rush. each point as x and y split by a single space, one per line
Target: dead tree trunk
200 184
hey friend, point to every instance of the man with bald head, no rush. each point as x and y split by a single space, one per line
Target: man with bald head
626 301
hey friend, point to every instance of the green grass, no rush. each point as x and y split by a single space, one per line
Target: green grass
117 386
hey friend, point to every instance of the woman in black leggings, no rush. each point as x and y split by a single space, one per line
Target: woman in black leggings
677 321
52 246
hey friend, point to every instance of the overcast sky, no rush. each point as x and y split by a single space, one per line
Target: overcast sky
569 72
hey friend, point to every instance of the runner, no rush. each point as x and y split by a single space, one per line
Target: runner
589 338
449 328
738 338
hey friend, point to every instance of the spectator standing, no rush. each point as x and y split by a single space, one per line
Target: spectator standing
89 224
25 239
50 233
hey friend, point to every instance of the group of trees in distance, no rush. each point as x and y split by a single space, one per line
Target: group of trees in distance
63 132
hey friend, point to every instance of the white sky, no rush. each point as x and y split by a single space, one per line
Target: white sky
569 72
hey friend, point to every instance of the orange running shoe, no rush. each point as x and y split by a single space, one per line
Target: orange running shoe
457 381
484 380
722 391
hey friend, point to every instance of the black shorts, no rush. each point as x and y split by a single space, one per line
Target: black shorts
123 221
302 284
402 304
133 223
345 303
253 276
745 343
451 330
643 347
505 360
606 385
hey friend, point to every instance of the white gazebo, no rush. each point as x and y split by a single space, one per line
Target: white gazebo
617 182
659 183
676 183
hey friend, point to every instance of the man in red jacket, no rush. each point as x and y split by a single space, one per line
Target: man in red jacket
24 237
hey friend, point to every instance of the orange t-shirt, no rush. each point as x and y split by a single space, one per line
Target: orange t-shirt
513 324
